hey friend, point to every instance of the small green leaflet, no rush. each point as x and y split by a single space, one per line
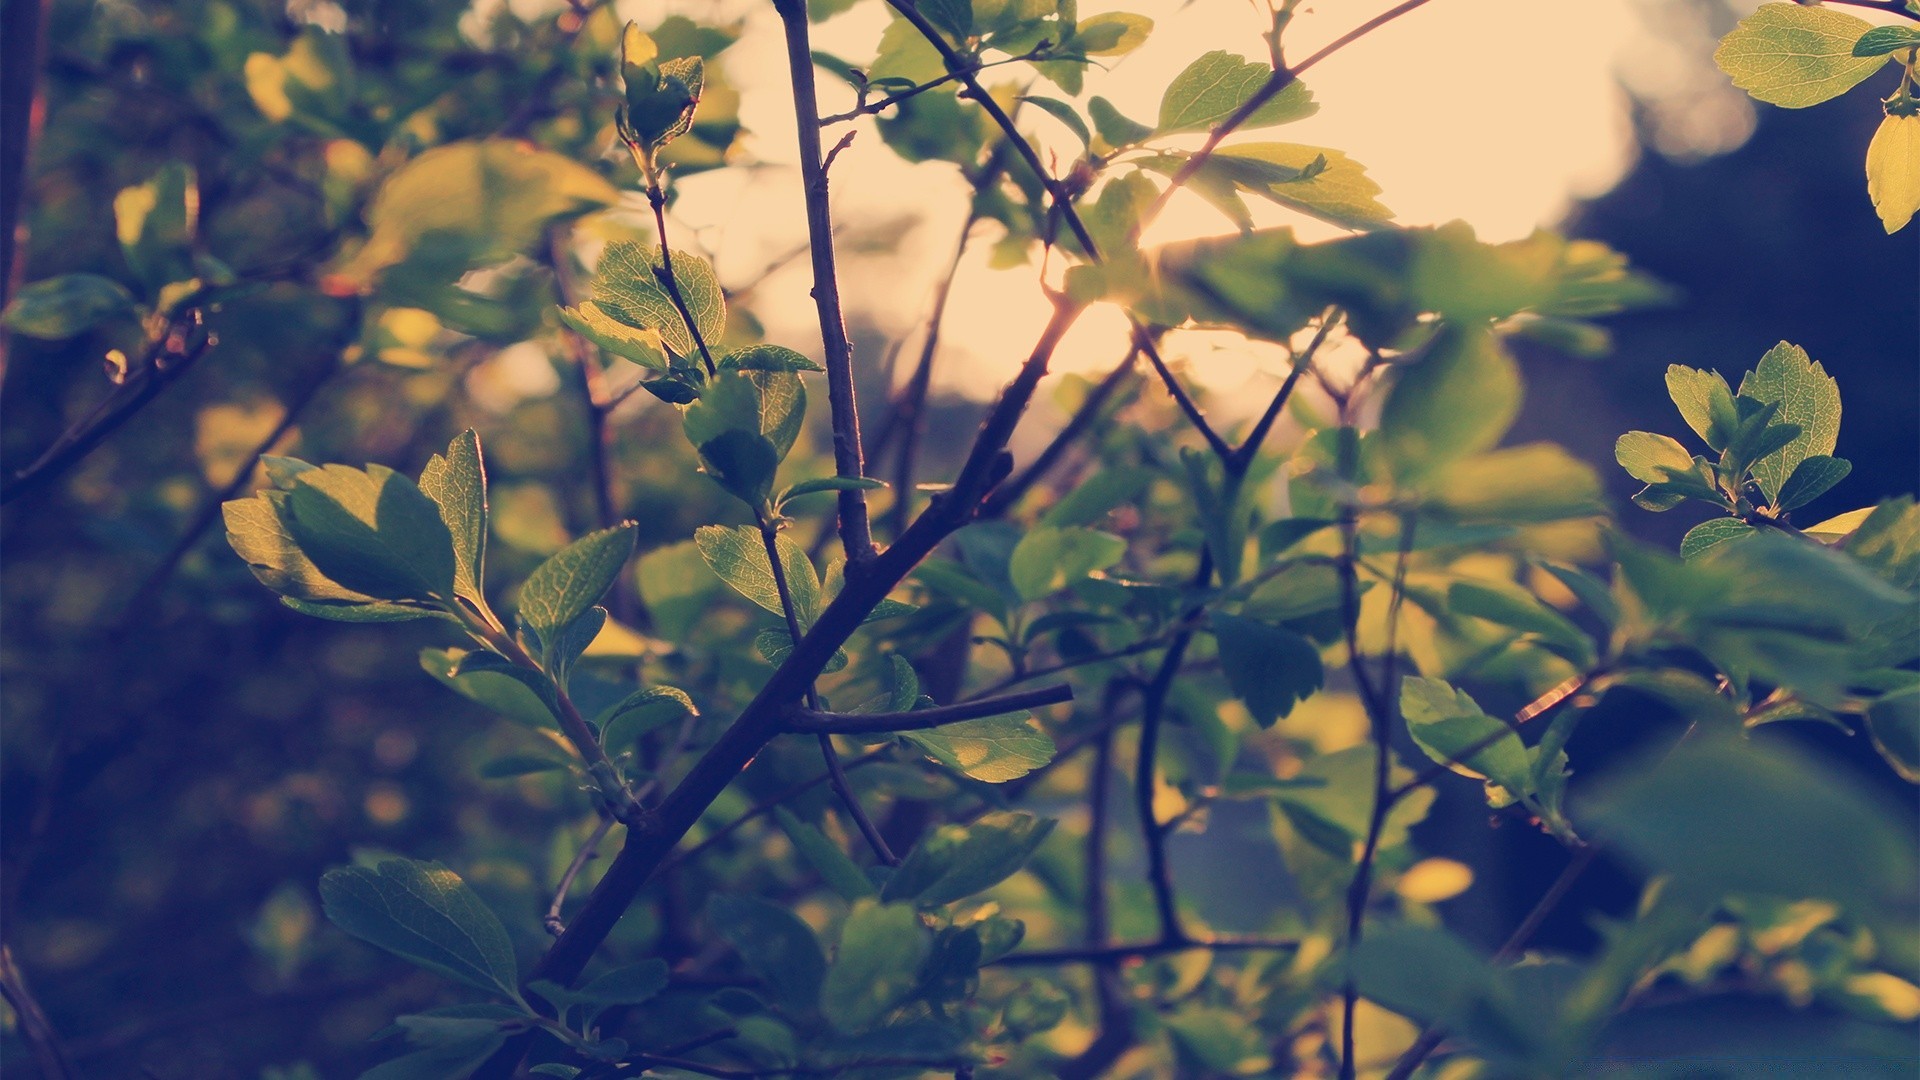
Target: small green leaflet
574 579
993 749
1049 559
1216 84
1316 181
1708 535
954 862
738 556
68 305
372 531
1269 667
457 483
1705 401
1794 56
627 288
644 710
1808 398
833 865
775 945
1454 731
1456 400
877 966
423 912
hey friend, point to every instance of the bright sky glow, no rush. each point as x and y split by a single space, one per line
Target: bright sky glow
1498 112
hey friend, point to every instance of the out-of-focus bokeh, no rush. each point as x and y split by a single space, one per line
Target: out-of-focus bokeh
183 758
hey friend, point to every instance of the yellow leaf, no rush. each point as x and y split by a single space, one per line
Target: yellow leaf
1893 170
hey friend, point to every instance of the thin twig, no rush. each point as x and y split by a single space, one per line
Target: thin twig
588 851
769 537
35 1029
170 356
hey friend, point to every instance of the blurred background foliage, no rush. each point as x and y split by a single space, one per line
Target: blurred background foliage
183 757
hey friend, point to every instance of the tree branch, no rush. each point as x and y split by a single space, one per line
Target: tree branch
856 532
809 721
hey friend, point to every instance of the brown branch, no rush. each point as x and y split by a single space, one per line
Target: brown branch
856 531
810 721
1009 493
167 358
653 838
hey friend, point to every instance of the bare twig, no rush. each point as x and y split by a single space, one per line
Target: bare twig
588 851
169 356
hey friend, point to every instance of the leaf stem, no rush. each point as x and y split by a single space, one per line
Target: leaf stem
809 721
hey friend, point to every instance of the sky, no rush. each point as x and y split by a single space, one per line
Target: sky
1497 112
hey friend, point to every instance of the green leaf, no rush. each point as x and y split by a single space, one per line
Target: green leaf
644 710
1114 126
1519 484
1111 33
1794 56
1316 181
1651 458
627 287
257 531
373 532
1808 399
835 868
954 862
743 426
1212 87
738 556
993 749
457 484
877 966
1710 534
1456 400
1454 731
454 1040
591 321
1705 402
1882 40
423 912
775 945
471 204
157 222
764 357
829 483
1510 605
1049 559
1729 815
574 579
953 16
1424 973
628 985
1062 112
1810 479
496 690
67 306
1893 721
1893 180
1269 667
